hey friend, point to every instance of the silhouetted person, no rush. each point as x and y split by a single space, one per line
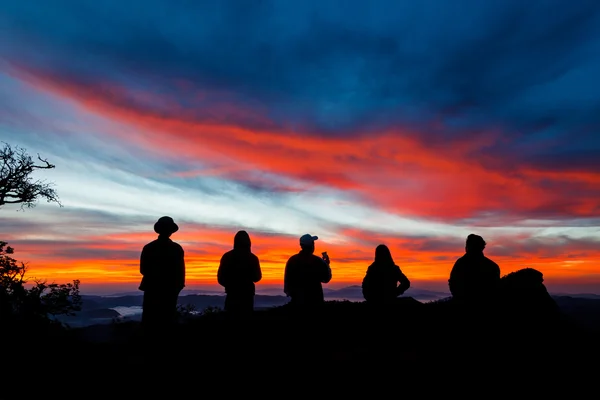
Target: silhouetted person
305 273
380 284
474 279
239 270
162 267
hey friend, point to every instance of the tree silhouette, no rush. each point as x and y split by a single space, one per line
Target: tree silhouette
41 302
16 184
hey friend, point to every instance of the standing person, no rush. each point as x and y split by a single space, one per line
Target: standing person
239 271
474 278
380 284
305 273
162 267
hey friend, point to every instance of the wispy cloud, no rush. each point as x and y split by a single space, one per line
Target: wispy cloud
405 123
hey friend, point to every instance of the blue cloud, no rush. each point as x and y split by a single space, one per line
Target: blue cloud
341 63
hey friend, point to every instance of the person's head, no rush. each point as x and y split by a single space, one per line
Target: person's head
165 226
383 255
242 240
474 244
307 243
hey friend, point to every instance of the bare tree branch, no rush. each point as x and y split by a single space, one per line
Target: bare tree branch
16 184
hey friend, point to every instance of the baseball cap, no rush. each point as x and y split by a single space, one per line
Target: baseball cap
308 239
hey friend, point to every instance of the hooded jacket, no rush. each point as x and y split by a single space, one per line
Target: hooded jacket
239 268
474 277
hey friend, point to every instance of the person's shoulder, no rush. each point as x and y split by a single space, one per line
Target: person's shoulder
316 259
177 245
491 262
227 254
174 246
151 244
461 261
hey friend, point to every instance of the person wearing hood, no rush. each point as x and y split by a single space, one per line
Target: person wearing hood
474 279
239 271
380 284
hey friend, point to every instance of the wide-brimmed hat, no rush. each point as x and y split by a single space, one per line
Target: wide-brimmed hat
165 225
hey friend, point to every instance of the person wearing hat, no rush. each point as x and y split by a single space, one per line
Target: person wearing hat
162 266
305 273
474 277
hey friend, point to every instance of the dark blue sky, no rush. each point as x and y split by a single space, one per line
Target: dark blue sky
438 117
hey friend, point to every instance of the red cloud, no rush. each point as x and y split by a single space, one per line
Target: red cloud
393 170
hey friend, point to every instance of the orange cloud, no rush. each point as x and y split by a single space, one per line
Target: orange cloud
393 169
426 261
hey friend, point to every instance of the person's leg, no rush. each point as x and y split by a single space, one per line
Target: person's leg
245 306
151 316
171 317
150 308
229 302
250 304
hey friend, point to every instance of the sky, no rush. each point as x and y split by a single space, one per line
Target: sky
411 124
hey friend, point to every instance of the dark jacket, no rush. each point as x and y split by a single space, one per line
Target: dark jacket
380 283
162 266
304 274
474 277
239 269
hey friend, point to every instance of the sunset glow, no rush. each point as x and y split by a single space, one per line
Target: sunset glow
340 126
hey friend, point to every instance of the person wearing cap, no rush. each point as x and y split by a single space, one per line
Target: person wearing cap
162 266
305 273
474 277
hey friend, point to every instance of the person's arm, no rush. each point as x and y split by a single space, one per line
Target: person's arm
404 282
257 272
455 283
286 278
144 262
326 270
365 284
222 271
496 271
182 270
496 281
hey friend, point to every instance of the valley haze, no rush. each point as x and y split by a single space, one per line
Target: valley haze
127 306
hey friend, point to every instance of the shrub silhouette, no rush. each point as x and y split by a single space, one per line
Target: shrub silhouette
37 305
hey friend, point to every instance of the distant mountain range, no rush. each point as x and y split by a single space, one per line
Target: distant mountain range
351 293
128 305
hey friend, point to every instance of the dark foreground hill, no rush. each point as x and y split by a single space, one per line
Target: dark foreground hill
524 344
347 344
